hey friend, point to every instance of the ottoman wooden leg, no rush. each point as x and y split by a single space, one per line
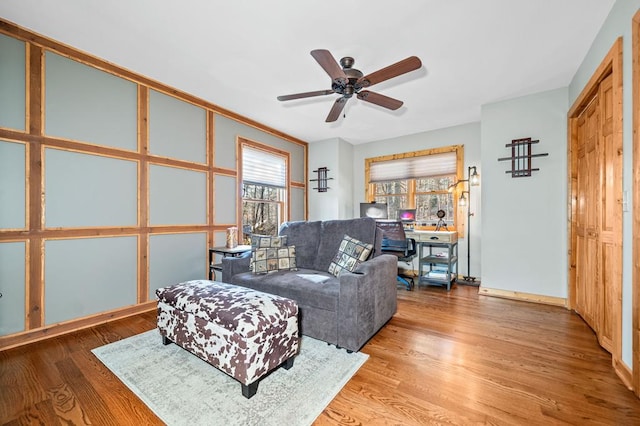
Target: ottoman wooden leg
165 340
288 363
249 390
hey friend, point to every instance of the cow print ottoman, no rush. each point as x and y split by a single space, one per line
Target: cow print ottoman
242 332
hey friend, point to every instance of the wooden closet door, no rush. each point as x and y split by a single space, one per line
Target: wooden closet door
610 224
588 291
599 219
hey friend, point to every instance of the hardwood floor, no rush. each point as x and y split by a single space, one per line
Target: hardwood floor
445 358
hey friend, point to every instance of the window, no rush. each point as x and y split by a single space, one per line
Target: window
418 180
264 189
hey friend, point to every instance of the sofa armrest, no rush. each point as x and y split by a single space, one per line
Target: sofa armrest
235 265
368 299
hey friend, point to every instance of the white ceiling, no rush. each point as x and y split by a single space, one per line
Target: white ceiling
240 55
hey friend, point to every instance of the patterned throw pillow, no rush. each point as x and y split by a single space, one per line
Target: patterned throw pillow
262 243
266 260
267 241
352 252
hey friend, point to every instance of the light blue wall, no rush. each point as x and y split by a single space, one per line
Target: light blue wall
524 220
12 270
12 83
177 129
89 275
177 196
84 190
12 185
85 104
174 258
337 203
618 24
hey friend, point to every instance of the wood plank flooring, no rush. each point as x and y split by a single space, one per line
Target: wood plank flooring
454 358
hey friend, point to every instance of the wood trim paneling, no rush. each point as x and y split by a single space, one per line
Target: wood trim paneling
18 32
525 297
625 374
35 96
306 185
143 194
572 193
35 141
635 226
225 172
211 125
105 151
35 90
617 134
14 340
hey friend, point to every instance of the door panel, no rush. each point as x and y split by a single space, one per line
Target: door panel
599 217
588 292
611 217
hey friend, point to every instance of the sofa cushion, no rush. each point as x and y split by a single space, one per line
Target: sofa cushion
332 232
266 260
288 284
352 252
306 237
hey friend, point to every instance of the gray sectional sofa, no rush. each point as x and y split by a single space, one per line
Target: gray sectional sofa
346 310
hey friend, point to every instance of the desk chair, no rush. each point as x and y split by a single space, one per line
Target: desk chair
395 242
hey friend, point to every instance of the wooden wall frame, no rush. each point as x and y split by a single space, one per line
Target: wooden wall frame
635 272
36 141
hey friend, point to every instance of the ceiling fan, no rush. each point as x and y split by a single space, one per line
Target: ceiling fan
347 81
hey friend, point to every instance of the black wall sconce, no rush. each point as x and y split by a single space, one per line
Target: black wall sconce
322 179
521 156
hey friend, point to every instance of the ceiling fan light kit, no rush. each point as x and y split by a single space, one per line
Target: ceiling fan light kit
347 81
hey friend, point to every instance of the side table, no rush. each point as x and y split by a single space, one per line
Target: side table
224 251
433 254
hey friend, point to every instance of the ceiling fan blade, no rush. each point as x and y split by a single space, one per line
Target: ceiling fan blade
378 99
329 64
337 108
404 66
304 95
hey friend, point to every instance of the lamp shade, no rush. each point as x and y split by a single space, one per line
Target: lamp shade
474 179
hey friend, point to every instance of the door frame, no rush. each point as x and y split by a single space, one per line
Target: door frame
610 65
635 226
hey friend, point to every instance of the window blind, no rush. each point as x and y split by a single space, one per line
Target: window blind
263 168
414 167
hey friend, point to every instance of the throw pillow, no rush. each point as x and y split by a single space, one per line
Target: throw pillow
268 241
352 252
266 260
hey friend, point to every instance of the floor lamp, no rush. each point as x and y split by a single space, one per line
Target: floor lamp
473 179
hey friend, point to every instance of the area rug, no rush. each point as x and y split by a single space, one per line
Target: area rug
181 389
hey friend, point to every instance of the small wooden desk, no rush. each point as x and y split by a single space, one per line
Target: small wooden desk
224 251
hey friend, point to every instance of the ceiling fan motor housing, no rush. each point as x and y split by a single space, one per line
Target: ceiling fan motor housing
353 75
